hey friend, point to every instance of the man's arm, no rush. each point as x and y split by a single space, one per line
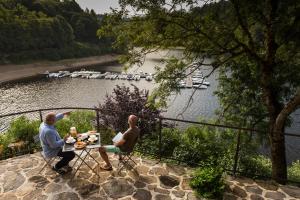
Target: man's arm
59 116
50 136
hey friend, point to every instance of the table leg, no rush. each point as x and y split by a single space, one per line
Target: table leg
82 160
93 158
77 158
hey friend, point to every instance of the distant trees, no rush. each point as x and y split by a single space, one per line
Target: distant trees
32 25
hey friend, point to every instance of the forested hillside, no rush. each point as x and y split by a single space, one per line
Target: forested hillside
48 29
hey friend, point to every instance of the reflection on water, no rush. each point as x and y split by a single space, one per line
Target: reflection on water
47 93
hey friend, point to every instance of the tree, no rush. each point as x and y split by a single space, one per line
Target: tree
245 39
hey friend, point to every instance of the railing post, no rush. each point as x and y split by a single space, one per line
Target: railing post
160 138
237 150
41 115
97 120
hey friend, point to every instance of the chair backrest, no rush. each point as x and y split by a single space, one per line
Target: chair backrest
133 145
36 139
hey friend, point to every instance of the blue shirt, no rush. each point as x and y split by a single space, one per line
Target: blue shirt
50 140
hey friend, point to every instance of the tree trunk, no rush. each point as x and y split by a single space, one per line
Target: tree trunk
278 156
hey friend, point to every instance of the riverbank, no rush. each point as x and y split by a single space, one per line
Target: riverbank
13 72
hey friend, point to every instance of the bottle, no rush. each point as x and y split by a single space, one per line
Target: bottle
73 132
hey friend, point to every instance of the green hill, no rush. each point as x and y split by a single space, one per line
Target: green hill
48 29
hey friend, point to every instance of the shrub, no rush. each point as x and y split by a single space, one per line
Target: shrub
208 182
255 165
170 140
117 107
294 171
23 129
5 140
82 120
202 145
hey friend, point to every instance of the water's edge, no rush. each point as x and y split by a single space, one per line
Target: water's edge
17 73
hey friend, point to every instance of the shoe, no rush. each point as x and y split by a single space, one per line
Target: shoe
68 168
60 171
106 168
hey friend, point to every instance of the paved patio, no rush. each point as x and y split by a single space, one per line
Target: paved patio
19 179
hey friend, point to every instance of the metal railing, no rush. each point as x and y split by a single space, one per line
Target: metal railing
160 121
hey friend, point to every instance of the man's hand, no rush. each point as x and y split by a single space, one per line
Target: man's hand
67 113
66 137
120 143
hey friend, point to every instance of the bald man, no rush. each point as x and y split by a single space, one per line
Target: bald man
52 143
126 144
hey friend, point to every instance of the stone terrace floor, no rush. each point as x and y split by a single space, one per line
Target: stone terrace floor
19 179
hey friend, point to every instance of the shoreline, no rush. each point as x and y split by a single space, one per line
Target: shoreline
14 72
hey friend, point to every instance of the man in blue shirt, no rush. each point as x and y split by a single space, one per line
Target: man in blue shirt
52 143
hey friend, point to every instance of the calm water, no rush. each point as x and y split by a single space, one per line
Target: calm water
47 93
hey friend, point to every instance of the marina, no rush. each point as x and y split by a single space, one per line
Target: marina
194 80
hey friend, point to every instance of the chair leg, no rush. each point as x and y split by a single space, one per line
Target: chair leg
43 168
124 162
48 163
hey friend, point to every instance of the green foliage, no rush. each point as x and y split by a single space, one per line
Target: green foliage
253 165
5 140
208 182
107 135
82 120
22 129
31 30
294 171
202 145
170 140
193 146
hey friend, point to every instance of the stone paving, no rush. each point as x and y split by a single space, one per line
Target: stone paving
20 179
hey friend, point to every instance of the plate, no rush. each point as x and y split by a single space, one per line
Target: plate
80 145
83 136
70 141
92 140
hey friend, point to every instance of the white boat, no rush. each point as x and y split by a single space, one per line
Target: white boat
75 75
63 74
137 77
94 76
108 75
129 77
142 74
53 75
113 76
182 84
199 86
149 77
200 81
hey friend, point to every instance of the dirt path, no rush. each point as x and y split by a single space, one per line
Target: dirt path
13 72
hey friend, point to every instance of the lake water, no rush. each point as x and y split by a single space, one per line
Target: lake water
47 93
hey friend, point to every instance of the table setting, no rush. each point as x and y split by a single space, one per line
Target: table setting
82 144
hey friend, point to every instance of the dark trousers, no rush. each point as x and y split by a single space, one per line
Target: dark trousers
66 158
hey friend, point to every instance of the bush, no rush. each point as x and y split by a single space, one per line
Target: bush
208 182
170 140
82 120
294 171
202 145
22 129
117 107
5 140
255 165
